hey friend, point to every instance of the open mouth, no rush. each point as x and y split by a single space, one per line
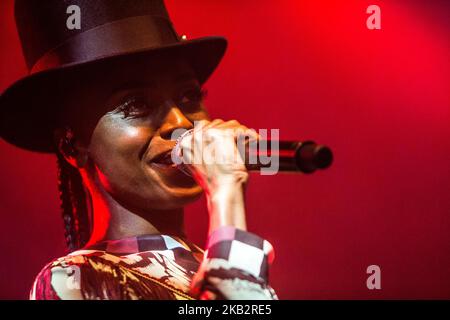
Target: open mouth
172 174
164 160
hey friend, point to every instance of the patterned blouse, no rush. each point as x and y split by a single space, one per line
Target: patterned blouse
235 265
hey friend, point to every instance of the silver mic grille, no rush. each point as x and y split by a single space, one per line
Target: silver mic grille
177 153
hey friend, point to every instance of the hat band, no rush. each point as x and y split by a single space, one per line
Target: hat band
118 37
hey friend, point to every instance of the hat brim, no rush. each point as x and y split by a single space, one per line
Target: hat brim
27 107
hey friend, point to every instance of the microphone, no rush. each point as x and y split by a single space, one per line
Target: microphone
270 156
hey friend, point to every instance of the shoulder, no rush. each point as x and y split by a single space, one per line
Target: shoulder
61 278
94 275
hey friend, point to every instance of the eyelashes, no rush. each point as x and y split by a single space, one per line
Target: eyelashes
134 107
138 107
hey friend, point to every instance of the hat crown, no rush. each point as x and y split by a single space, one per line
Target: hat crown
42 25
59 51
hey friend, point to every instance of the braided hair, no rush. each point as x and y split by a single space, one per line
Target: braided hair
74 199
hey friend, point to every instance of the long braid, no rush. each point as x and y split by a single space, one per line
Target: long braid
74 204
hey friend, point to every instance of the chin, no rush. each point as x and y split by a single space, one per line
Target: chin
181 196
170 198
169 188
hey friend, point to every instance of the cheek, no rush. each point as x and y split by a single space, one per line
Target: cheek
117 147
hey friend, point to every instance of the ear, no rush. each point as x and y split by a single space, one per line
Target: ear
70 148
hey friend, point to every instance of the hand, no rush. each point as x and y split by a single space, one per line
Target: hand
217 165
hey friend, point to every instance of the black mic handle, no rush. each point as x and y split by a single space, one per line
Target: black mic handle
293 156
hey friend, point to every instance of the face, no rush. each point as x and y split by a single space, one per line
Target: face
129 135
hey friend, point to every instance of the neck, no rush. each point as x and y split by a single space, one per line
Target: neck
112 221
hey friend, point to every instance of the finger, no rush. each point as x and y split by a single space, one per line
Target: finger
199 125
229 124
247 134
215 123
242 131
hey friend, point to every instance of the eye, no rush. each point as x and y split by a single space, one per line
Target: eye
192 98
134 107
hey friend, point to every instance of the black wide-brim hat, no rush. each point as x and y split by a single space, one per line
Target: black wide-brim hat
111 33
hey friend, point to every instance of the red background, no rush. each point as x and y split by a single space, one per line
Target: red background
379 98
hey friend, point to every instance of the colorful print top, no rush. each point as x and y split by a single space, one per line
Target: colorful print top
234 265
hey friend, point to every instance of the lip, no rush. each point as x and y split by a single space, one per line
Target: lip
169 173
163 166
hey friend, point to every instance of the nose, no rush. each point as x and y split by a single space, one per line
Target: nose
174 119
